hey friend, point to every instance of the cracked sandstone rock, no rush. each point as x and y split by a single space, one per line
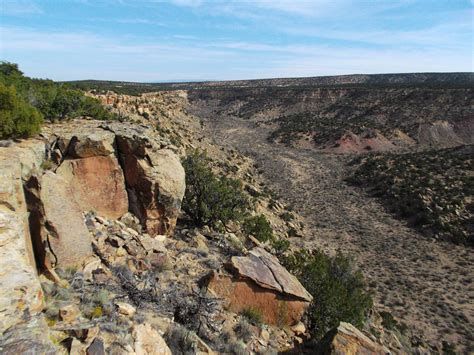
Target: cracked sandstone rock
258 281
22 325
348 340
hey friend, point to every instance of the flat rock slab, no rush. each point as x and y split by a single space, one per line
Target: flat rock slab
97 184
259 282
264 269
68 236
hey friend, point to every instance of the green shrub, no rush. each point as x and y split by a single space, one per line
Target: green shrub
338 290
259 227
209 198
253 315
17 117
280 245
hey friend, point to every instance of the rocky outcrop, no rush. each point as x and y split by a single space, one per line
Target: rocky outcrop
154 177
259 282
22 326
89 177
348 340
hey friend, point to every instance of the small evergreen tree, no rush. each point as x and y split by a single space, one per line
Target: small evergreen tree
209 198
338 290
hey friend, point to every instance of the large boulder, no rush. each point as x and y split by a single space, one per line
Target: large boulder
64 230
259 282
348 340
97 143
97 184
154 177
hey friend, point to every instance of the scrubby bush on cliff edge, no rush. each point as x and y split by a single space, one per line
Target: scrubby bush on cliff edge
210 199
17 118
338 290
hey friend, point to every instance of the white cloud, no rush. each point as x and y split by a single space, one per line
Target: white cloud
19 8
453 35
85 55
189 3
299 7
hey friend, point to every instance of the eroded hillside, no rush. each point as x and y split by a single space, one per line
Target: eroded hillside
350 119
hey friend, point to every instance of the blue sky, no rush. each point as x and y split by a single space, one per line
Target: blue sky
216 40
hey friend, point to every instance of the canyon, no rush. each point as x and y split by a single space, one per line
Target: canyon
98 256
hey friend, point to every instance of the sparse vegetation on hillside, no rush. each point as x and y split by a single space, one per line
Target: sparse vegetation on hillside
325 113
363 110
211 199
338 289
26 101
433 189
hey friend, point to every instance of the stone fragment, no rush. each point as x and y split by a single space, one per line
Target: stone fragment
131 221
96 347
76 347
125 309
299 328
121 252
90 265
69 313
149 341
151 244
265 335
348 340
200 242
